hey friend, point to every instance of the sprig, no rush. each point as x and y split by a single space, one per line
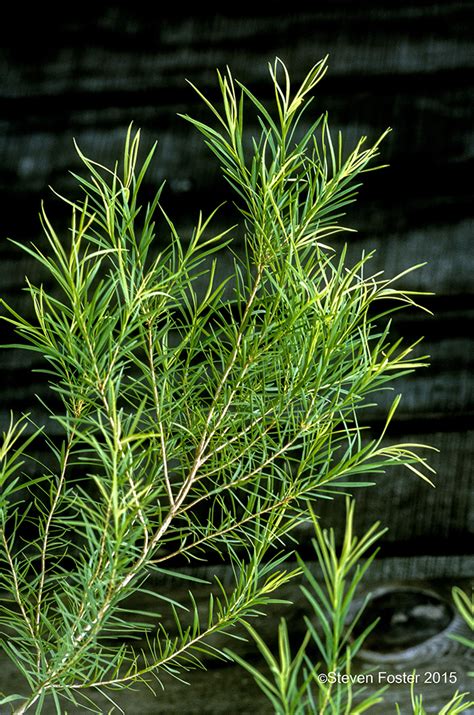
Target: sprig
193 420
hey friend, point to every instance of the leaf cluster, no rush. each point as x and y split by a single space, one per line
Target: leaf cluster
191 422
322 677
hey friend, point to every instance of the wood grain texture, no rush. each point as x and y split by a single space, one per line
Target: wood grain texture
407 65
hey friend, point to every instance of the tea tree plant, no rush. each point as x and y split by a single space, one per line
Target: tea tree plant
193 420
301 684
457 704
464 605
320 677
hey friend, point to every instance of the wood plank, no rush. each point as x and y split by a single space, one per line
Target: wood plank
407 65
168 46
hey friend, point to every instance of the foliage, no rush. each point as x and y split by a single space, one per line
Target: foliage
464 606
321 677
193 420
457 704
301 685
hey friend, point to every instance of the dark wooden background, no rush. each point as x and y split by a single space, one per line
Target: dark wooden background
405 64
